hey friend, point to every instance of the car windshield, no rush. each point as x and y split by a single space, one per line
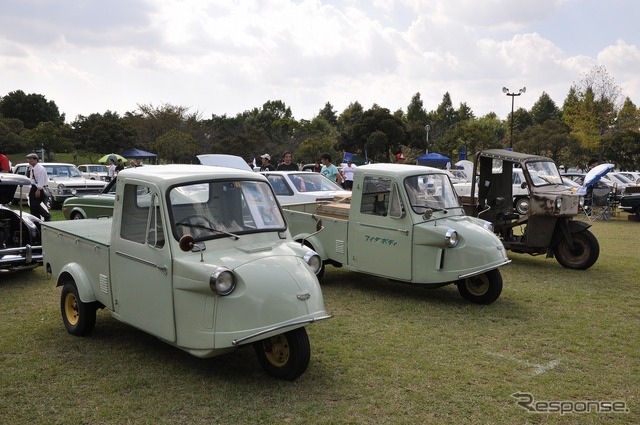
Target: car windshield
208 210
97 168
430 191
312 182
620 179
544 173
66 171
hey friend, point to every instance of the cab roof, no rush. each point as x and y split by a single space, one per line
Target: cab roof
397 170
511 156
166 175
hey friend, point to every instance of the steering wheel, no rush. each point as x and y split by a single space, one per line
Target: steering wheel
197 221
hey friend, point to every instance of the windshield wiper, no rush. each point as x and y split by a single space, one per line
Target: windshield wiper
200 226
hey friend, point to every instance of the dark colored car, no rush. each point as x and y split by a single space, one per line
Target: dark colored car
631 204
91 206
20 244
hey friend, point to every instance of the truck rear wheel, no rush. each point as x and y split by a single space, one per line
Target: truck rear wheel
481 289
79 318
285 356
584 255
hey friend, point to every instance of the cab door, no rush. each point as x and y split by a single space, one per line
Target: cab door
141 272
380 240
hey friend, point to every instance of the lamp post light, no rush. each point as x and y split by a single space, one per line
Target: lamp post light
513 95
427 128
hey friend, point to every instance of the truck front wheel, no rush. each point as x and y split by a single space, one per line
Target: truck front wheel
481 289
79 318
584 254
285 356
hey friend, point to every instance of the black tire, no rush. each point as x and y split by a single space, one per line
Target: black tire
79 318
285 356
481 289
77 215
585 254
522 205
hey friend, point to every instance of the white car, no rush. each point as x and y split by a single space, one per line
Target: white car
296 187
65 181
632 175
94 171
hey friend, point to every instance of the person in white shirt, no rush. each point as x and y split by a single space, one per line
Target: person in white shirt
39 179
111 172
347 173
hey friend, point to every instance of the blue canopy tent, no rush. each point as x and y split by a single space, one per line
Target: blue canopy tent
435 160
138 153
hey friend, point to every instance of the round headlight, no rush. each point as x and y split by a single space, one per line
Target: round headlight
74 191
558 203
222 281
451 238
61 187
488 225
313 260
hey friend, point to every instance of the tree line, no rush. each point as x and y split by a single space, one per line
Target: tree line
594 121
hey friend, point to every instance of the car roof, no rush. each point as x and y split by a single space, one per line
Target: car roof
511 156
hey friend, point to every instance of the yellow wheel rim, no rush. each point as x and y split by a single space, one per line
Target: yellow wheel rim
71 309
279 353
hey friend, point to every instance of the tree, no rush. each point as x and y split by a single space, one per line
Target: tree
102 133
10 140
31 109
329 114
544 109
176 147
49 136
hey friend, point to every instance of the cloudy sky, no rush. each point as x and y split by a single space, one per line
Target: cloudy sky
227 56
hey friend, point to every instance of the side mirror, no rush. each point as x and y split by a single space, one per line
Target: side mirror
187 242
523 185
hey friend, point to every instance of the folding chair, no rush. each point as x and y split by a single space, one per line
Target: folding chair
599 207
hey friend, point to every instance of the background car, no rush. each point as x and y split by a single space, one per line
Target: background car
295 187
600 189
65 181
20 245
91 206
94 171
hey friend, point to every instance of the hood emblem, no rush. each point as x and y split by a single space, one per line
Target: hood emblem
303 296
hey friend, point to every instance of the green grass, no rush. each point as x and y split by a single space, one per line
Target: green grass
392 354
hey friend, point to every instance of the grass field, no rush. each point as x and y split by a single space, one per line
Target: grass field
393 354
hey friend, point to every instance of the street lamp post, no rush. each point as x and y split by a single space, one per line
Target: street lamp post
427 128
513 95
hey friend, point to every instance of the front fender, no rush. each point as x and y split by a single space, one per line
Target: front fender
314 243
79 276
565 228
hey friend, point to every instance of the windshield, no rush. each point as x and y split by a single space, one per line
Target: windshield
97 168
430 191
209 210
544 173
62 171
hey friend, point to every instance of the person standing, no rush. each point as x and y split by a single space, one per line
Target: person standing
266 163
5 165
347 172
400 158
287 165
39 180
119 166
328 170
111 171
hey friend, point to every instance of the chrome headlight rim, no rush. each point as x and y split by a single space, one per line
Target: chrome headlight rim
451 238
313 260
558 203
222 281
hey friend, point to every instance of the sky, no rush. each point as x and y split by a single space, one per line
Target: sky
224 57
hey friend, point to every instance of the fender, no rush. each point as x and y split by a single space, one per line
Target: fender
314 242
565 228
77 209
81 280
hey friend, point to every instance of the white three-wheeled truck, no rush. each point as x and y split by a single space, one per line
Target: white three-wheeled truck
405 223
198 256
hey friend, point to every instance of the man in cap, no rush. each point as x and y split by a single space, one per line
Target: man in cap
39 180
266 164
347 172
400 158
